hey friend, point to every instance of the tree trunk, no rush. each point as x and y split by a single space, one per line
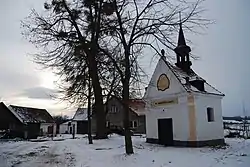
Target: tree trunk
89 127
101 132
89 113
128 140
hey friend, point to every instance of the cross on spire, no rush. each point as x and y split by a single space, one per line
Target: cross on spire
181 38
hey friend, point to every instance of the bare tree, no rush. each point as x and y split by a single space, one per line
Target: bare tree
141 26
109 35
67 34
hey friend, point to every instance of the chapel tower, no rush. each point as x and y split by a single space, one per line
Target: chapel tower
182 53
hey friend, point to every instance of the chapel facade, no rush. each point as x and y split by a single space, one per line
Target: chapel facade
182 109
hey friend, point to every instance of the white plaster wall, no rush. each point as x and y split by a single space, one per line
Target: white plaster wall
63 128
179 114
174 88
45 126
208 130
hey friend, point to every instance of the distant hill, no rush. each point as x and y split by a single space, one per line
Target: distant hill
237 118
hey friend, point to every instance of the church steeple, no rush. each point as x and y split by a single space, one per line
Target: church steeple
182 52
181 38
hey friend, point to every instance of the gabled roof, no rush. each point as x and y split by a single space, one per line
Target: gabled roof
31 115
181 75
135 105
138 106
81 114
3 106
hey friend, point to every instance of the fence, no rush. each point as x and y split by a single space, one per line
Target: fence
237 128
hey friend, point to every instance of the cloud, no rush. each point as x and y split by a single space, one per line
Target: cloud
12 82
54 107
39 93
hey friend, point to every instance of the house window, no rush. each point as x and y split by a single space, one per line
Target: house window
210 114
133 124
113 109
107 124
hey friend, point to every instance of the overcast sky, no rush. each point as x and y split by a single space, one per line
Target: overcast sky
223 51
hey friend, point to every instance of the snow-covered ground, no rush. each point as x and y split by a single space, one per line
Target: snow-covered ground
110 153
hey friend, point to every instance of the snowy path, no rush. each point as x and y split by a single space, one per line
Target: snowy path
35 154
110 153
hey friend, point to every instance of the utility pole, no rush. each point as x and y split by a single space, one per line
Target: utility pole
245 130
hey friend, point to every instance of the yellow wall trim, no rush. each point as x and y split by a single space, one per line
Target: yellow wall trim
164 102
192 118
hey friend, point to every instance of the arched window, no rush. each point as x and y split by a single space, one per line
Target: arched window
210 114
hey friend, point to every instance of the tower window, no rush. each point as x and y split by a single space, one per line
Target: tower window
210 114
113 109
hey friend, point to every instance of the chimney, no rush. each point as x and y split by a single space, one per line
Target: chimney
163 54
187 82
198 84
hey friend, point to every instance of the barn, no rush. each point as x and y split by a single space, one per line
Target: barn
26 122
10 122
81 120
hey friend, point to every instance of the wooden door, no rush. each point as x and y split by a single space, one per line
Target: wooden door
165 132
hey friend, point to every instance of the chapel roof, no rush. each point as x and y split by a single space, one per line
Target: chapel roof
182 75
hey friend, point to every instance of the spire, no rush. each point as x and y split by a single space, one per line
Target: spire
182 51
181 38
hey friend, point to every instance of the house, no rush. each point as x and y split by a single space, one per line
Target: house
115 110
182 109
31 123
67 127
80 120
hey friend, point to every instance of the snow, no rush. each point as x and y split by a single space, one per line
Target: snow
181 75
16 115
30 115
110 153
81 114
233 121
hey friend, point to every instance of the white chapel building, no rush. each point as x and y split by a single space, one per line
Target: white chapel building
182 109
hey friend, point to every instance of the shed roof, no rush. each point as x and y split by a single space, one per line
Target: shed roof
81 114
31 115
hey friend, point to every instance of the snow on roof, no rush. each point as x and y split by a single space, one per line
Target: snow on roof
81 114
233 121
135 105
138 106
3 106
31 115
181 75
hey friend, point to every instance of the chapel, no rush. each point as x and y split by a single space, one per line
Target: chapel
182 108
